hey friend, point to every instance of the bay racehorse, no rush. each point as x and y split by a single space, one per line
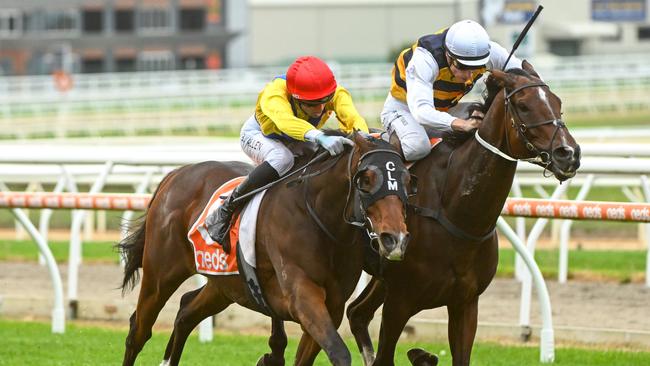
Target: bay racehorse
306 264
452 256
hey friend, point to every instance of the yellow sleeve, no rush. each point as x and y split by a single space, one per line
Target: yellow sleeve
346 113
275 105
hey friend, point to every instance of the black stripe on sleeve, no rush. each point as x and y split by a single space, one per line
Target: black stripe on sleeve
446 103
398 79
448 86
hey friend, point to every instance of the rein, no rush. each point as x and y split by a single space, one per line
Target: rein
310 209
366 223
316 159
542 157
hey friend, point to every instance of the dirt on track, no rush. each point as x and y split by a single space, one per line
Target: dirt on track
613 313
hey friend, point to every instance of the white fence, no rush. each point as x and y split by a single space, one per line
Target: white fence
142 166
203 101
514 207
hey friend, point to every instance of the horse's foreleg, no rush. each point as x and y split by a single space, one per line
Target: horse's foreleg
278 343
154 293
307 305
308 348
360 312
209 301
395 314
462 329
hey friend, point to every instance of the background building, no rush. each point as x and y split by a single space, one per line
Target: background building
373 30
87 36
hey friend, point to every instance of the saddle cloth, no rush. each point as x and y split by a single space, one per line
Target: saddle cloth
209 256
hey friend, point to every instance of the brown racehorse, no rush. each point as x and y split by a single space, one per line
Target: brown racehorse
452 259
306 263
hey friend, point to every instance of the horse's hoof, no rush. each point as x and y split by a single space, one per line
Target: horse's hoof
420 357
266 360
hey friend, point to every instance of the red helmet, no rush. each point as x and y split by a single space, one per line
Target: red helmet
309 78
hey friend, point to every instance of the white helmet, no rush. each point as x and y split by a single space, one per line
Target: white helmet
468 42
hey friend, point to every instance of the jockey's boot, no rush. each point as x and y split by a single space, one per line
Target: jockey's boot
218 222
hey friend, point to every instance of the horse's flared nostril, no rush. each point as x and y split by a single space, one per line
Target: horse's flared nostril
563 153
388 240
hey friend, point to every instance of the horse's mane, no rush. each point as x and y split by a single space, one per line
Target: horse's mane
491 89
304 152
376 142
334 132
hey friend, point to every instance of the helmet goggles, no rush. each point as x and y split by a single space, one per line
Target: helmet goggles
460 66
315 102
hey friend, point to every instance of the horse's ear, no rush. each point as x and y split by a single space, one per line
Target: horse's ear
394 140
358 138
502 79
529 69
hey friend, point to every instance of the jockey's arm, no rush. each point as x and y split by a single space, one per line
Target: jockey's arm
499 55
347 114
278 109
421 72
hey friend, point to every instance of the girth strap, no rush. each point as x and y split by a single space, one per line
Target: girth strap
254 290
454 230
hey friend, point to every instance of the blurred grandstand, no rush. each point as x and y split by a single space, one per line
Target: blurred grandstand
134 67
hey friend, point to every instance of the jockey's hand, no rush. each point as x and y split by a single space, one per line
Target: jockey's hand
465 125
333 144
478 114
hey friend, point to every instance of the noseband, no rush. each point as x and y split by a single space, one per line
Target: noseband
542 157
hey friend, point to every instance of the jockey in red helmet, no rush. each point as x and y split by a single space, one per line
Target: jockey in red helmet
291 107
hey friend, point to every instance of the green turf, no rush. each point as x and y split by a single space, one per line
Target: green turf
636 119
31 343
617 265
25 250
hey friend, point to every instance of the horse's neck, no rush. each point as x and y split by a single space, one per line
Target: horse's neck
327 194
478 181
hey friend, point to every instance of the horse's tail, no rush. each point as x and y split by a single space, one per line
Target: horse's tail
132 246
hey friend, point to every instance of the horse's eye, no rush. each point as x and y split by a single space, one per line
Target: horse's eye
363 183
522 108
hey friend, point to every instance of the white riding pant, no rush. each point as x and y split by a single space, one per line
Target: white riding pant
396 117
261 148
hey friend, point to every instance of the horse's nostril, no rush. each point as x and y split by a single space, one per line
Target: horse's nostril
563 153
388 240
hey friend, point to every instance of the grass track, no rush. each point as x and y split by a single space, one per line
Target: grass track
31 343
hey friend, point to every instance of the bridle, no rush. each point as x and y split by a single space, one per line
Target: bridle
542 157
366 199
379 190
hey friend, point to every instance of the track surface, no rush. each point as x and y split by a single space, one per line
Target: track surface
609 308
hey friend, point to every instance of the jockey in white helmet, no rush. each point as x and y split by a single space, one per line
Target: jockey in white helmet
431 77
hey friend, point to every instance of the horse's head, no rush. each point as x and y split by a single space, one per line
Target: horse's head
383 184
534 128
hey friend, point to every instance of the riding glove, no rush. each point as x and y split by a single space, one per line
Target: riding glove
333 144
